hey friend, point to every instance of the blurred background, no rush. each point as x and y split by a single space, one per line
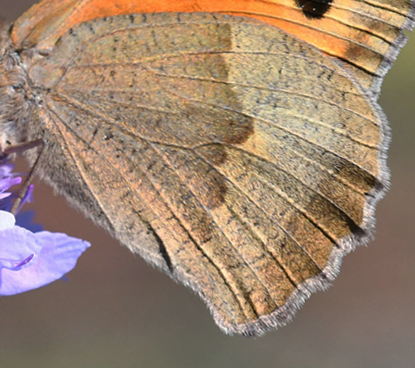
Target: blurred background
116 311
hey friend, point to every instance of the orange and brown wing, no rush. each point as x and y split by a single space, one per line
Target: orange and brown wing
365 35
202 144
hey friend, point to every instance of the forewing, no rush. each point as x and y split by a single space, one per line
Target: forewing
365 35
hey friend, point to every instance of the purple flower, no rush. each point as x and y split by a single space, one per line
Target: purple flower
30 260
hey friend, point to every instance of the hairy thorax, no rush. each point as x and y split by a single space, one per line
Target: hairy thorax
17 100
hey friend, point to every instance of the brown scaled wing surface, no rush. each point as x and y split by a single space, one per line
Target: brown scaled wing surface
233 156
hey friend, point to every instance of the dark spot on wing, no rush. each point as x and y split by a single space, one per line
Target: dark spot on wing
314 9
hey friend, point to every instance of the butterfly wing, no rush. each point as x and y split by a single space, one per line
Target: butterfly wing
236 158
365 35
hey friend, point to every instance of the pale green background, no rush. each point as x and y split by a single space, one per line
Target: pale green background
118 312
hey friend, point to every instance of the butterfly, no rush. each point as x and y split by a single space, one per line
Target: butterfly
236 145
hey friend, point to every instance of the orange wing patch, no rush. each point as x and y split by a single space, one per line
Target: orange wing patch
364 34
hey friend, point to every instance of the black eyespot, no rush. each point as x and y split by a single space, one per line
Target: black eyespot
314 9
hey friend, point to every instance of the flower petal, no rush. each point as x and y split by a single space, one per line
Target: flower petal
6 183
19 247
58 255
7 220
26 219
16 265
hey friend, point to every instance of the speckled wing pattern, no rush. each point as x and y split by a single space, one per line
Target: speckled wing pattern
365 36
236 158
